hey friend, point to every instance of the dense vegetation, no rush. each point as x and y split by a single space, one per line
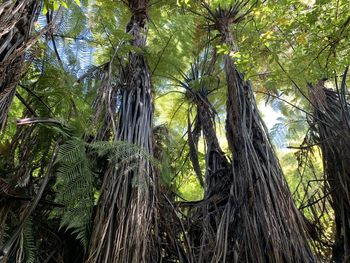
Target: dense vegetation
174 131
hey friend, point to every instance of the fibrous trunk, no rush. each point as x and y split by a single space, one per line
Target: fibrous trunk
16 22
217 177
217 166
104 106
268 226
205 217
125 215
193 137
331 131
260 222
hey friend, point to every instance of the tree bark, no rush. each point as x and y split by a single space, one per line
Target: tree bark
193 137
268 226
16 22
205 218
125 215
331 131
260 222
217 177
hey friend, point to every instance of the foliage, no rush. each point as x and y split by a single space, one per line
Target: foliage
54 4
28 242
75 179
74 74
75 188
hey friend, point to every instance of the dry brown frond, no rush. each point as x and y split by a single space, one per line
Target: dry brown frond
16 22
257 221
331 130
126 213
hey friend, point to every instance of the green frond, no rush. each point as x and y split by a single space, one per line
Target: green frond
122 151
75 188
75 178
28 242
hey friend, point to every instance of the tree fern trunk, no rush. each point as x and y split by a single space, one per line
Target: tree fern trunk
269 228
16 22
217 166
125 214
205 218
260 222
104 107
217 177
331 130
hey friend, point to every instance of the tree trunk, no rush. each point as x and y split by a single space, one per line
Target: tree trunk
125 215
217 177
16 21
104 106
205 218
331 131
268 226
193 137
260 222
217 166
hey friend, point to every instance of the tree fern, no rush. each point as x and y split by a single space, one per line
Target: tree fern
75 188
27 248
29 243
75 178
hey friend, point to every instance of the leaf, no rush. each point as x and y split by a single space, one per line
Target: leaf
45 9
64 4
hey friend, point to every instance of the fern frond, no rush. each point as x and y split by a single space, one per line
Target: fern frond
28 248
75 178
75 188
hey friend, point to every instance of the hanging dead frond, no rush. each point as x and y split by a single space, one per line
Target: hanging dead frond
104 105
16 21
29 210
259 221
313 196
268 226
331 131
205 216
173 241
125 218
